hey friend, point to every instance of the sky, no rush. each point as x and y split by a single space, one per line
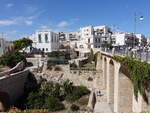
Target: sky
20 18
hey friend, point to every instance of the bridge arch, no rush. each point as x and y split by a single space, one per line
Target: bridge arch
111 78
125 92
105 71
4 101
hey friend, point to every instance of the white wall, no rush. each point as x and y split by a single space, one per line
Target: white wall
119 39
52 43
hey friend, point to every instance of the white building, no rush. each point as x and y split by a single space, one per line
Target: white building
45 40
121 39
69 36
93 37
142 39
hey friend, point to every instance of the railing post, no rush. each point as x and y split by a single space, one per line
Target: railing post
146 55
113 51
126 52
140 55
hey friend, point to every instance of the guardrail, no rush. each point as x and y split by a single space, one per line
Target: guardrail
141 55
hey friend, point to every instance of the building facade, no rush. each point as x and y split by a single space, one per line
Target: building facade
69 36
142 40
94 36
121 39
45 40
5 46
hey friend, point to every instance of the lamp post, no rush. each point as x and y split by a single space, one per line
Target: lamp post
136 17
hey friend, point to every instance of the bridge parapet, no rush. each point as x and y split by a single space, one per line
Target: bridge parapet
19 67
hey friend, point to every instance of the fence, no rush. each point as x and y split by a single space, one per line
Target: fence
141 55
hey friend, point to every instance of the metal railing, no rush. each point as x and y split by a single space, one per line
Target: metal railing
141 55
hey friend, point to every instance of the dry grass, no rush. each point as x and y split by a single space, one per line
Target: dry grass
3 68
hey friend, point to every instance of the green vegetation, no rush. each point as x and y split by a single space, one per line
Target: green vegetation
53 104
58 57
83 101
50 95
11 59
58 54
77 93
22 43
139 73
90 79
90 66
95 57
74 107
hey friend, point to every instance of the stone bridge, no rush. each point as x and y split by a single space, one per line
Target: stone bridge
12 85
117 91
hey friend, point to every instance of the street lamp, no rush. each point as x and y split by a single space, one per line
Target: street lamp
136 17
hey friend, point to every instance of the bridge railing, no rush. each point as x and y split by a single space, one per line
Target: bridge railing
17 68
141 55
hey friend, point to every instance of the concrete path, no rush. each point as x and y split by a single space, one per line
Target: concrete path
102 107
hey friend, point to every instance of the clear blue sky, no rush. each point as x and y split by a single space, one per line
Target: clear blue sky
22 17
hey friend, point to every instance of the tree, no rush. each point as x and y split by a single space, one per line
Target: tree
11 59
22 44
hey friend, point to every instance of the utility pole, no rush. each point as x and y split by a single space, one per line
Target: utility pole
133 35
136 17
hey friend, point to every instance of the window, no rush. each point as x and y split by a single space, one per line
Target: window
52 38
88 40
46 49
40 38
46 38
99 40
95 40
43 49
81 46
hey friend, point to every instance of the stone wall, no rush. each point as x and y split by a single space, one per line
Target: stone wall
13 85
34 61
90 79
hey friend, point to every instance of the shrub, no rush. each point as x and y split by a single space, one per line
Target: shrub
49 67
57 68
90 79
67 87
35 100
53 104
74 107
80 91
38 100
72 97
11 59
77 93
83 101
57 54
49 88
